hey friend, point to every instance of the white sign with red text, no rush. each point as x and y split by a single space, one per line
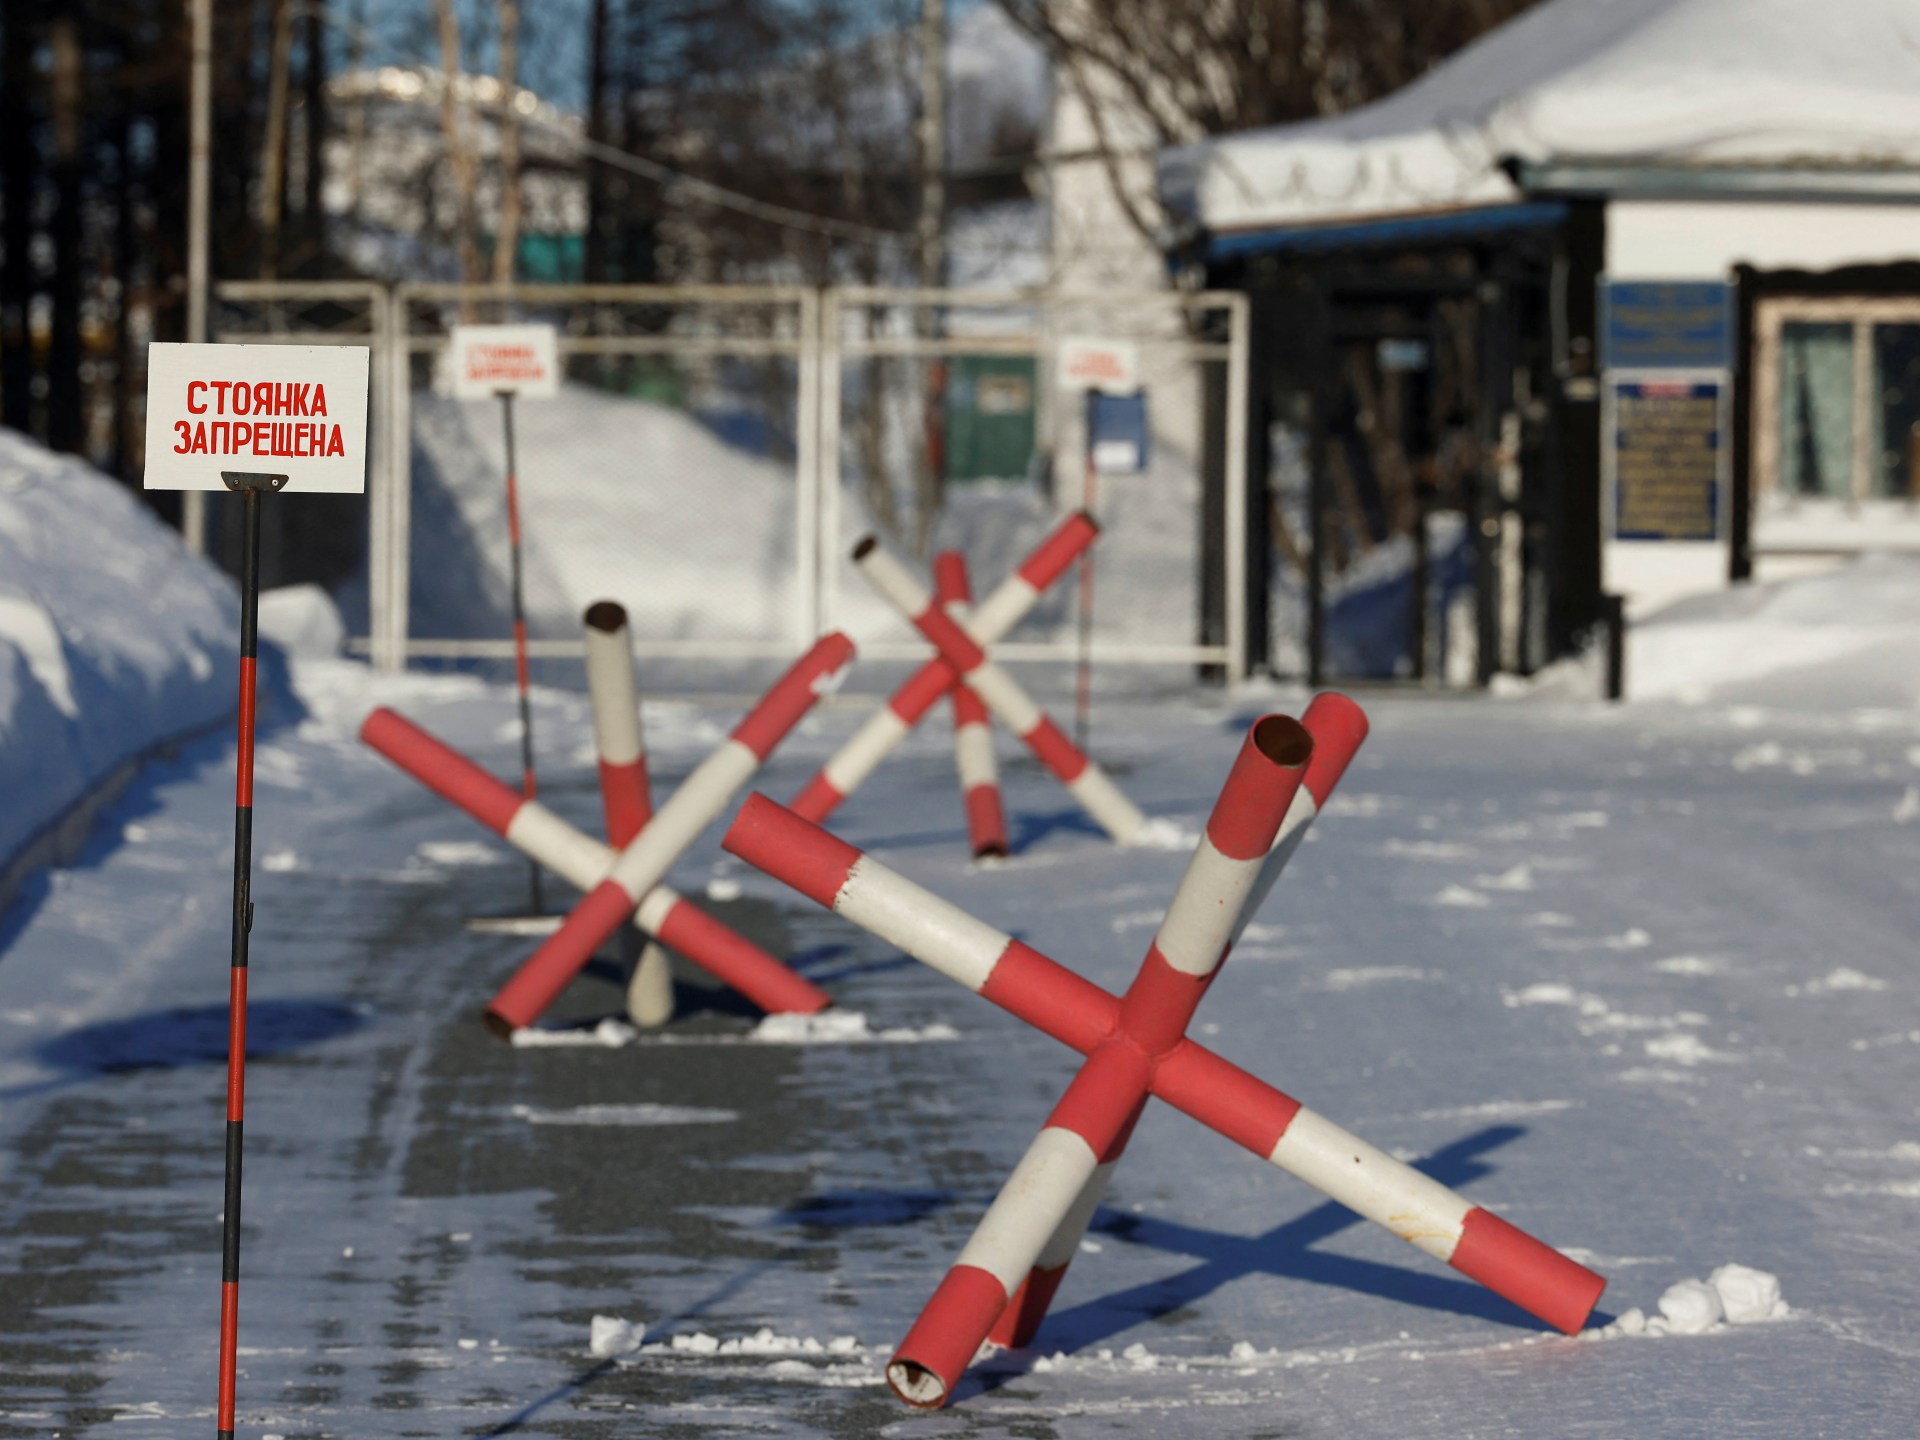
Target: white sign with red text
293 410
1112 366
484 360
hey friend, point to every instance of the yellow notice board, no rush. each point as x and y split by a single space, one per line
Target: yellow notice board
1666 459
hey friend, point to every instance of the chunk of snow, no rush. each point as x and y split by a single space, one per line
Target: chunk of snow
634 1115
1165 834
1520 877
1691 1307
609 1335
842 1027
1748 1295
610 1034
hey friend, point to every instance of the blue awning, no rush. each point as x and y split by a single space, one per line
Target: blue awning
1396 231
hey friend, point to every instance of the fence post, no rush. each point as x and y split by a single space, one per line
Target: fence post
828 516
1235 570
399 508
1613 615
809 543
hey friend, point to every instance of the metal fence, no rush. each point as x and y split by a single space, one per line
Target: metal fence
721 448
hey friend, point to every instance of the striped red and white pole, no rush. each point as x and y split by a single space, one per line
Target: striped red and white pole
1082 1136
581 860
521 671
1060 1175
625 797
1004 696
1333 728
992 619
972 728
1188 1076
250 487
644 862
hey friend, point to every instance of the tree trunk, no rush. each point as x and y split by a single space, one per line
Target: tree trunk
460 162
313 215
66 405
507 239
18 164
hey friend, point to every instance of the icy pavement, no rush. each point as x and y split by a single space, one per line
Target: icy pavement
1643 981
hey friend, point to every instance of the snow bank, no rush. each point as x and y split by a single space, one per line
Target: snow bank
1851 636
112 639
1845 639
619 499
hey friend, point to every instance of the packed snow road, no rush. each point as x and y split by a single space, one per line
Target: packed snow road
1643 981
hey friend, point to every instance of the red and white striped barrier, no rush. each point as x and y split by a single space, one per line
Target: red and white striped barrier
644 861
541 835
972 729
625 795
1004 696
992 619
1142 1051
592 866
1059 1177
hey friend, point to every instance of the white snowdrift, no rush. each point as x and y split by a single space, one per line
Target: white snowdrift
112 639
1849 637
1845 640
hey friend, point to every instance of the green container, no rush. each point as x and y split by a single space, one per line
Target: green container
990 417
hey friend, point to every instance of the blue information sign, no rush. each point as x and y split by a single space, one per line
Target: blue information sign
1666 325
1117 433
1666 460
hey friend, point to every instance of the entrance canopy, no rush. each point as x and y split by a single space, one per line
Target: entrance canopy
1670 97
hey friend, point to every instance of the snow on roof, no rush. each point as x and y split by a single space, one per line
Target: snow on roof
1806 87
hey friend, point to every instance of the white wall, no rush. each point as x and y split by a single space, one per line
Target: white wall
1696 240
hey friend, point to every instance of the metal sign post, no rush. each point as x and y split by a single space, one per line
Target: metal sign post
529 789
507 362
1097 368
249 487
304 408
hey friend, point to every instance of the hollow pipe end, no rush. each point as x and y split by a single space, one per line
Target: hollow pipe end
498 1025
608 616
916 1384
1283 740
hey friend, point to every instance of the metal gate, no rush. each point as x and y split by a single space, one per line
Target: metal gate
727 445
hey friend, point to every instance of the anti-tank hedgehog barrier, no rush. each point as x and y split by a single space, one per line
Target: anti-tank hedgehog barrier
989 621
1141 1052
581 860
1090 785
589 864
644 862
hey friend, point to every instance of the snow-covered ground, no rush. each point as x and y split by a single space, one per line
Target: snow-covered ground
1641 979
112 638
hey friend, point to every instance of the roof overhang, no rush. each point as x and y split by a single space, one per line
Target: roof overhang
1405 231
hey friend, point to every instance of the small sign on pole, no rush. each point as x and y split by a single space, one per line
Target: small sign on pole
1109 366
484 360
254 419
293 410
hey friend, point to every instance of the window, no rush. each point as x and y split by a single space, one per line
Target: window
1837 398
